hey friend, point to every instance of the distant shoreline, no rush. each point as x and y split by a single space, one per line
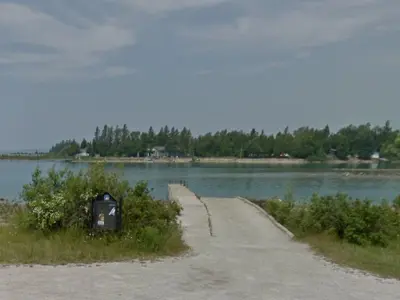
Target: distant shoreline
221 160
186 160
29 158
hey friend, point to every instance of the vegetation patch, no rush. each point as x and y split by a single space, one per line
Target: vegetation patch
53 224
350 232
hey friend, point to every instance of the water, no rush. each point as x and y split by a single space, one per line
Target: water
255 181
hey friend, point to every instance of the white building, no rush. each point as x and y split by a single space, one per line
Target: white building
375 156
82 154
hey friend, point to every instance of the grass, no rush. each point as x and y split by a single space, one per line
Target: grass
26 247
8 211
22 246
384 262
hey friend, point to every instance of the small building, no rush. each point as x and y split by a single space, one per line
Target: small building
159 151
82 154
375 156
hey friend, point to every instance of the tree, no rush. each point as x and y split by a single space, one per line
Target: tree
84 144
392 150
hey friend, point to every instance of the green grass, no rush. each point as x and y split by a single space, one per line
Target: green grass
22 246
384 262
8 211
27 247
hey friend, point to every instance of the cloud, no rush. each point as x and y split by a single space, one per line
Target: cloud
306 24
255 70
244 70
116 71
69 41
204 72
40 75
72 40
160 6
24 58
71 47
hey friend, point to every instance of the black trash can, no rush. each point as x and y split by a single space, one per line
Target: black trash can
106 213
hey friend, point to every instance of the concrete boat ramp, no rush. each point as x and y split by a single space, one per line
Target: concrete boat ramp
237 253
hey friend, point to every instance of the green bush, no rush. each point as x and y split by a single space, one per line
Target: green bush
356 221
61 200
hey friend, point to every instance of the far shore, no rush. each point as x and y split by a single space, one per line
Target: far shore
222 160
29 158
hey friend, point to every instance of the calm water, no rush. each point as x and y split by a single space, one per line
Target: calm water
253 181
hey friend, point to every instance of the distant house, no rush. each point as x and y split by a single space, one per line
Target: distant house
375 156
159 151
83 153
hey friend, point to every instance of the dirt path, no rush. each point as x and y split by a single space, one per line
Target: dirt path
247 258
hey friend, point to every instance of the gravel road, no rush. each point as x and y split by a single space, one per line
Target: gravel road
246 258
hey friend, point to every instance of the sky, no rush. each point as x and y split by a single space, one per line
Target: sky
67 66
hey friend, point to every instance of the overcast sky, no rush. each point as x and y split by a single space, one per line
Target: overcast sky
69 65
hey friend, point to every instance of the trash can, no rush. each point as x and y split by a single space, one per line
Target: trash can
106 213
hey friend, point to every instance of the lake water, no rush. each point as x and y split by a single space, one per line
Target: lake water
255 181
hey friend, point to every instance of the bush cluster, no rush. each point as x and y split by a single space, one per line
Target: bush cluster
61 200
356 221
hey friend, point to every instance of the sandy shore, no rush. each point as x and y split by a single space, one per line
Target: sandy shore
219 160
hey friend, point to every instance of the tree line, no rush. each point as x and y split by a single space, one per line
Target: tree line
359 141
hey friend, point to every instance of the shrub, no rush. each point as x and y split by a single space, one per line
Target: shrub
356 221
281 210
61 200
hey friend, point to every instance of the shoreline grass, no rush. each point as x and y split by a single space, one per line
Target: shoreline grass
379 261
350 233
76 247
